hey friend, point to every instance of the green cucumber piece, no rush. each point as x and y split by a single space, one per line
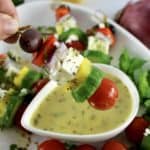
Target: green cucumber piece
15 100
145 145
31 78
97 56
16 147
147 109
74 31
135 63
124 61
143 84
89 86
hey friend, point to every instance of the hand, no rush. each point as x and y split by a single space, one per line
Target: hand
8 19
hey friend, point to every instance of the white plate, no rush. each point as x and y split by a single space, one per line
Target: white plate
40 14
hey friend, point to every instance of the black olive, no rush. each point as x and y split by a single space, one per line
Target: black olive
31 40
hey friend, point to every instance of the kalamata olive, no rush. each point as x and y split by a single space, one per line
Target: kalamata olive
31 40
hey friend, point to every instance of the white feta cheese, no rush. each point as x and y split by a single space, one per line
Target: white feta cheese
56 35
71 38
95 43
11 67
102 25
147 132
64 64
2 93
23 92
65 24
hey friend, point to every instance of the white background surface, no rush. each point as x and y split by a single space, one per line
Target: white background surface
109 7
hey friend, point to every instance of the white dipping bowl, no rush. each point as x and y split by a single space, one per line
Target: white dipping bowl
26 119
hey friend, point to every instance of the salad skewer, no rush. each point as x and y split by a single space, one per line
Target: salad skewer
59 54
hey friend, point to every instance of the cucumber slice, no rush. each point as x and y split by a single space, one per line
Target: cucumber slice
135 63
89 86
13 104
74 31
124 61
31 78
143 85
145 145
97 56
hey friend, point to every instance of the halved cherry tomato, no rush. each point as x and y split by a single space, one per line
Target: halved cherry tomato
107 32
62 11
85 147
114 145
105 96
135 131
51 145
39 85
46 52
76 45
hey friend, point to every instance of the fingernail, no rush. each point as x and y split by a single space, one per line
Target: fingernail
11 26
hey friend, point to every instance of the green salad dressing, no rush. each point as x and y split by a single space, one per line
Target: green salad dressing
60 113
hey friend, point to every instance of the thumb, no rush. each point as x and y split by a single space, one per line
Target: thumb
8 26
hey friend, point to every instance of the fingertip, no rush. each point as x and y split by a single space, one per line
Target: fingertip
8 26
11 26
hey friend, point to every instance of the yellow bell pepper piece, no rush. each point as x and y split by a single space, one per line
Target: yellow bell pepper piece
84 70
22 73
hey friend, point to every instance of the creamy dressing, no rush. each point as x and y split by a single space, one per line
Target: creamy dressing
60 113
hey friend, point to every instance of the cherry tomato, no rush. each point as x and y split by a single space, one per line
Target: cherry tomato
105 96
39 85
114 145
46 52
85 147
62 11
107 32
135 131
76 45
51 145
3 57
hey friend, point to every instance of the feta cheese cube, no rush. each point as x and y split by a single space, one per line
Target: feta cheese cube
65 24
95 43
12 68
2 93
147 132
72 38
64 64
